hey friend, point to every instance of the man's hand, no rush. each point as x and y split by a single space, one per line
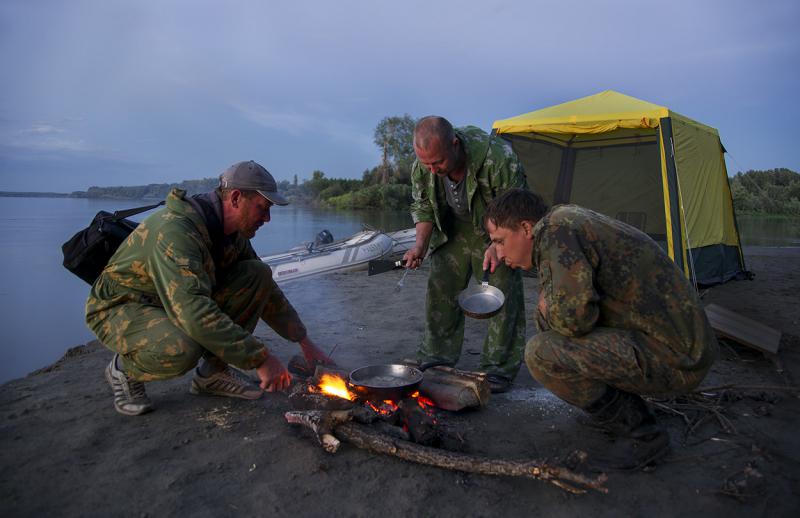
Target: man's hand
490 259
273 375
414 256
313 355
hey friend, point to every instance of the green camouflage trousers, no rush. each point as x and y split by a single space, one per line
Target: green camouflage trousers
152 348
578 370
453 265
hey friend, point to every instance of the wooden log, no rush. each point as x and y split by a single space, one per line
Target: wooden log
315 401
567 479
452 389
421 426
425 429
322 424
450 397
298 366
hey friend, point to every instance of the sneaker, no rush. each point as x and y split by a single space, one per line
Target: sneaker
229 383
130 397
498 384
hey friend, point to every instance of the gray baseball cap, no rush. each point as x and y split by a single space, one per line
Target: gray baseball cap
251 176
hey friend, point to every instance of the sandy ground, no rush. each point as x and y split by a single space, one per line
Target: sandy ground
66 452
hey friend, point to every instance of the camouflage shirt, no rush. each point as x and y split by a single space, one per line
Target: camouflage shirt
167 261
595 271
491 169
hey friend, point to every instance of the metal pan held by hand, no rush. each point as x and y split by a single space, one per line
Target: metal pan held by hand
481 300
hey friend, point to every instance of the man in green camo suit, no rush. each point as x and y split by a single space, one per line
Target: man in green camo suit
457 173
616 317
187 284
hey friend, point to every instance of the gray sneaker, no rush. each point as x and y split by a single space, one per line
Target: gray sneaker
129 395
229 383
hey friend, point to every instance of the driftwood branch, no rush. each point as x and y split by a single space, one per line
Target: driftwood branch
322 424
378 442
733 386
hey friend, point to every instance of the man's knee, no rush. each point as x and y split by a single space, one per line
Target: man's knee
252 273
245 280
170 361
540 353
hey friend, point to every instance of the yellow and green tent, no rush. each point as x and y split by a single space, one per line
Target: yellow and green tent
641 163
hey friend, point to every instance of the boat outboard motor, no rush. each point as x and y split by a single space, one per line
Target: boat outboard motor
323 238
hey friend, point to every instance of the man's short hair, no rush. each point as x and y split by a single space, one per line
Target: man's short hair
225 193
432 128
513 207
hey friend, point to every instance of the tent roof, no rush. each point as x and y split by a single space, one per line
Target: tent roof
598 113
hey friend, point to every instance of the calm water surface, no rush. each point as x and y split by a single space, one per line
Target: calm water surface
769 231
41 303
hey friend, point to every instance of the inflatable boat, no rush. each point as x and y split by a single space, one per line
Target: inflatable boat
319 256
402 240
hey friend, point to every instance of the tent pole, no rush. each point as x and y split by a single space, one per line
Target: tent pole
683 213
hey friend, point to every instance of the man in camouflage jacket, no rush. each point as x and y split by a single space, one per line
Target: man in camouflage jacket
457 173
616 317
187 284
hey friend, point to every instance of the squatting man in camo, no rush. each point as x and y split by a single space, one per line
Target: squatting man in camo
187 285
616 318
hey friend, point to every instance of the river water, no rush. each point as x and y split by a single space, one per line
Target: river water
41 303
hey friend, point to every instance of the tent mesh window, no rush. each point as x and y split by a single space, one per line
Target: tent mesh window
616 174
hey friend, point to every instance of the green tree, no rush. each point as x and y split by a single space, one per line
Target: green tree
775 191
395 137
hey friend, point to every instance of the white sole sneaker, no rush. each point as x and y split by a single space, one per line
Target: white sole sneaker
130 397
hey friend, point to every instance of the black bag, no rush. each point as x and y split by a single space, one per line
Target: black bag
89 250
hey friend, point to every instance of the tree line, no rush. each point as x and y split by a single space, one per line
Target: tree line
771 192
387 185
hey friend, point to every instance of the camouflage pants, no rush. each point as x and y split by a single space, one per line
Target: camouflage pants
151 347
578 370
452 267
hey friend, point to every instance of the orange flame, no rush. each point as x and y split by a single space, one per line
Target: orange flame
335 386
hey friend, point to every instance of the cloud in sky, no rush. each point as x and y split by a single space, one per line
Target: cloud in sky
112 93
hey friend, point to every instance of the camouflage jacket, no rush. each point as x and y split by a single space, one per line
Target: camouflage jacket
167 261
595 271
491 169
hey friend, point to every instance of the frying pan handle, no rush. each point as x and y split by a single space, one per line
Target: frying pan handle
434 363
485 276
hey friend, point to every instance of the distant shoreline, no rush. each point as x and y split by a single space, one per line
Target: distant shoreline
12 194
78 195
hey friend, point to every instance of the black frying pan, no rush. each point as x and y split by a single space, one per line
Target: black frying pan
391 381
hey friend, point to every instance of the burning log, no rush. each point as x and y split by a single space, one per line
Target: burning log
298 366
379 442
450 397
453 389
315 401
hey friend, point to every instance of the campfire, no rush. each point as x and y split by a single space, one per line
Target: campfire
334 385
415 427
412 418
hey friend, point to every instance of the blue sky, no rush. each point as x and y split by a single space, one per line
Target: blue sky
126 93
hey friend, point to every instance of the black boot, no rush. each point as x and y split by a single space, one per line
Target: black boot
639 439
